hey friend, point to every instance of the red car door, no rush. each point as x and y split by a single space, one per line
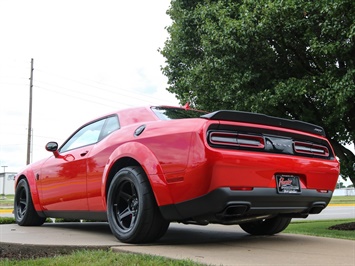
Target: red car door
63 179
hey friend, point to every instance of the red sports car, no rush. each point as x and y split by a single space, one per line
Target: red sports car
142 168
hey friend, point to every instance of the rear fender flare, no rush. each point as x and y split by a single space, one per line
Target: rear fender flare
148 162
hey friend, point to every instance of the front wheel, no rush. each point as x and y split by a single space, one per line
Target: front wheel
25 213
266 226
132 212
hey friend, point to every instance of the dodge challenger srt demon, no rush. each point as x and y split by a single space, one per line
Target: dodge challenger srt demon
142 168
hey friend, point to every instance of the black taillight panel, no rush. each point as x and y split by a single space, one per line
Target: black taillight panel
310 149
254 139
235 139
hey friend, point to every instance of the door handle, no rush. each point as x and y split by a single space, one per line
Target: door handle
84 153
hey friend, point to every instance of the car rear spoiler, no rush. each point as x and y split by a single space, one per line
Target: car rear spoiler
255 118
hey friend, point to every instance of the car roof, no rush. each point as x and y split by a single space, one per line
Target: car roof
135 115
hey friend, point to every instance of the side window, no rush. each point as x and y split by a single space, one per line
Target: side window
87 135
110 126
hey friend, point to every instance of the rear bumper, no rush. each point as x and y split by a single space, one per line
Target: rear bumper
225 204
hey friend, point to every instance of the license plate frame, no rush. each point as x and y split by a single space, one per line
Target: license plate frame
288 184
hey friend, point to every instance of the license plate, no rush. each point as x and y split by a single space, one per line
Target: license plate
288 184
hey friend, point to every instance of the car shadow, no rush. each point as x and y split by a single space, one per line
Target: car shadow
180 234
97 227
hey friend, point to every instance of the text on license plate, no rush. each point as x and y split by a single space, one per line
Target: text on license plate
288 184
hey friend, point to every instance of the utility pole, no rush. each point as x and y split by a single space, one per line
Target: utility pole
30 118
3 186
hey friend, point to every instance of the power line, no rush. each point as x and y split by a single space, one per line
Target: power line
81 98
116 91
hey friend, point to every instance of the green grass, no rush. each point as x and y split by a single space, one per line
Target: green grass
101 258
343 200
320 228
8 201
7 220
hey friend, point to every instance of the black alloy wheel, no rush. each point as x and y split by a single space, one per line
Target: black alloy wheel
132 211
25 213
126 206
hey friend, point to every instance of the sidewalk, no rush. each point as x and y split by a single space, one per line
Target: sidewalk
212 245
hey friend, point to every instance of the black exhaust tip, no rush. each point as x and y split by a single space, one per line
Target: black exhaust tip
317 208
235 210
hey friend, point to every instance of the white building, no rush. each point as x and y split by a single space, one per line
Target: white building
344 192
9 183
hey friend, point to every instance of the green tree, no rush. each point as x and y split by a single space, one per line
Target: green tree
287 58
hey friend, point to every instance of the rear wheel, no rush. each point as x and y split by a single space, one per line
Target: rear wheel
132 212
266 226
25 213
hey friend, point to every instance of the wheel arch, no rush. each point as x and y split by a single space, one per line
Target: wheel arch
137 154
118 165
30 179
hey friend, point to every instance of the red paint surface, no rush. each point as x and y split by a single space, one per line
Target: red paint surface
177 160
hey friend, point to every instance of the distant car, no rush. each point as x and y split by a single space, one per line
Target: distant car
142 168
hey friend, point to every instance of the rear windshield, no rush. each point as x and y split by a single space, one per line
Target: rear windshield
168 113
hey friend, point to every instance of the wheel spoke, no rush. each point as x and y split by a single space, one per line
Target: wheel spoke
125 196
133 220
23 212
126 212
126 205
23 202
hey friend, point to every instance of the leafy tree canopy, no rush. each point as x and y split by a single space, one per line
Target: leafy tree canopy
287 58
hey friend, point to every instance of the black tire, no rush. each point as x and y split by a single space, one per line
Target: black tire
266 226
132 212
25 213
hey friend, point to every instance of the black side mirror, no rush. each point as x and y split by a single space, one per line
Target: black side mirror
52 146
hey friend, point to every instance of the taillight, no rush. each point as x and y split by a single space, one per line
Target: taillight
238 140
310 148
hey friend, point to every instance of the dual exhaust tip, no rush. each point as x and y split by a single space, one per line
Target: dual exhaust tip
234 210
